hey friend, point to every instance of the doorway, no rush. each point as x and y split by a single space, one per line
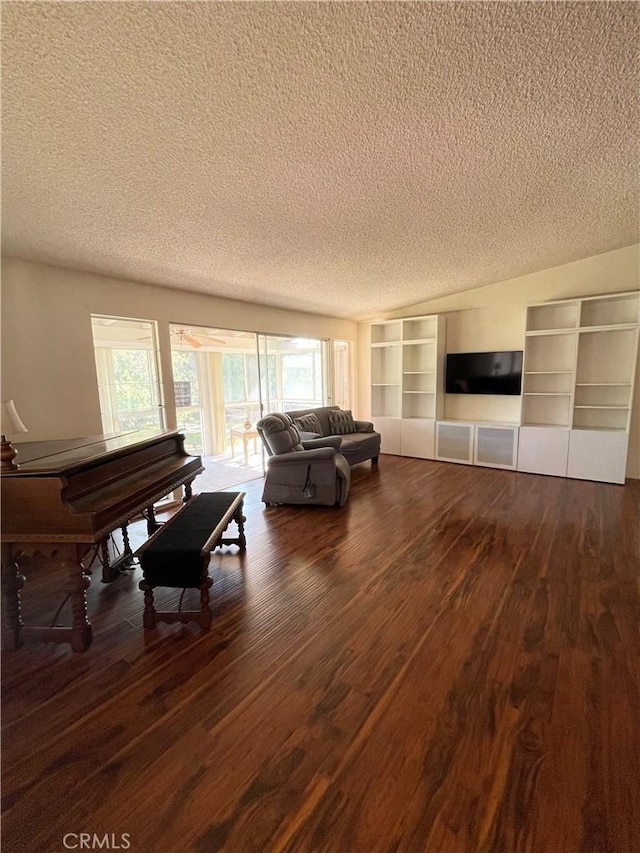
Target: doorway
226 380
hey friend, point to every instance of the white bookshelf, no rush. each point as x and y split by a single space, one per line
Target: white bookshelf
549 370
553 316
386 332
619 310
579 368
604 378
386 379
407 383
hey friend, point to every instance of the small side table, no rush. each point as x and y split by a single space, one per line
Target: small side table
245 435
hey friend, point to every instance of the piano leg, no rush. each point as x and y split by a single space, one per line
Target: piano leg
79 634
12 583
152 522
112 569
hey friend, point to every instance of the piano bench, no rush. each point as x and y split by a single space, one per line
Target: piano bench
178 554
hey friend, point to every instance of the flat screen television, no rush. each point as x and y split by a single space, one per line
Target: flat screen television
484 372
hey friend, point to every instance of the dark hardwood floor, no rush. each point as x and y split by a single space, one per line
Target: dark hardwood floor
450 663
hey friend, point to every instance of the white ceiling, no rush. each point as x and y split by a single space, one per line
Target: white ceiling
338 158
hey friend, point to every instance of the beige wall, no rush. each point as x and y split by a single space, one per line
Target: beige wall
47 348
493 318
48 365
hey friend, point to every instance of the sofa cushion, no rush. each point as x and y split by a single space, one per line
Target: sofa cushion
321 412
342 422
308 423
358 443
358 446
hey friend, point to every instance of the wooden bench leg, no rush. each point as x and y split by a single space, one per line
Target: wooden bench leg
149 617
240 519
205 610
203 617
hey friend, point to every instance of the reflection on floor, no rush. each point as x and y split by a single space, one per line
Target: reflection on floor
224 471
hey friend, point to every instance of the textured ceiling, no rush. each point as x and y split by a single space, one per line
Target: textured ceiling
339 158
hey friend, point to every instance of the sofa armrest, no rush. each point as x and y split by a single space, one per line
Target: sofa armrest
333 441
364 426
301 457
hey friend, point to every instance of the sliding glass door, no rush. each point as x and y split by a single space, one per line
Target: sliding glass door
293 373
225 381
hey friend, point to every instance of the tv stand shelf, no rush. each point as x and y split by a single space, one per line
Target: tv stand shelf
486 443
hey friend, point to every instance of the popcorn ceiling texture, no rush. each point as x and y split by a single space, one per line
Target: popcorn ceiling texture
338 158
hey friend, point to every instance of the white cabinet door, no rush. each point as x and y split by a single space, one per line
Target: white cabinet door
454 442
389 429
543 450
417 438
598 455
495 446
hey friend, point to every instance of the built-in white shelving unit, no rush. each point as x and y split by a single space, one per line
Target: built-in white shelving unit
579 369
407 371
580 361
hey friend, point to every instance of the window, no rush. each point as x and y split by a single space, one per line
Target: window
342 373
128 377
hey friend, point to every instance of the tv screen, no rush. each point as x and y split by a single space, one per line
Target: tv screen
484 372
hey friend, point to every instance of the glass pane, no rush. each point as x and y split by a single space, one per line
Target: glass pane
253 386
132 380
342 372
128 376
186 388
294 373
298 376
233 377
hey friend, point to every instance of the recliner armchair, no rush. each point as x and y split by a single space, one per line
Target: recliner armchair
299 471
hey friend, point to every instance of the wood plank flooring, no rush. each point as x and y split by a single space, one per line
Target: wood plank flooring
450 663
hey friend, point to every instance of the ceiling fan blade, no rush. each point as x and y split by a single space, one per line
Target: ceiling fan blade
211 340
194 342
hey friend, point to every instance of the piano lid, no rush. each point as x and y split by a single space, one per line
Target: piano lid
47 458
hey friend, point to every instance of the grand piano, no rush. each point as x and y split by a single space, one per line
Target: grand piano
66 498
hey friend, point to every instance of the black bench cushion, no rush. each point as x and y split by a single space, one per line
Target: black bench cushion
174 557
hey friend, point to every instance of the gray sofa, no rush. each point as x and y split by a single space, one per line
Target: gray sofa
299 471
355 446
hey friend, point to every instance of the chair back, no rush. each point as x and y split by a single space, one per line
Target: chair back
279 434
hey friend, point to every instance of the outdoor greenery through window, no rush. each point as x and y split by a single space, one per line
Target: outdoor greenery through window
301 376
126 364
241 379
186 389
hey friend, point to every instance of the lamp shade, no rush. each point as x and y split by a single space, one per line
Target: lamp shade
11 419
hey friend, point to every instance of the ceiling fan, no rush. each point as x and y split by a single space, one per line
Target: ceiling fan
195 339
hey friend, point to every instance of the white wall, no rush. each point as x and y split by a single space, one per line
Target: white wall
48 365
493 318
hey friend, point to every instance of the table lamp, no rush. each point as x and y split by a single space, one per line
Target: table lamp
10 423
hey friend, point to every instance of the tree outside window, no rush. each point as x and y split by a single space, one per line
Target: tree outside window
128 386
